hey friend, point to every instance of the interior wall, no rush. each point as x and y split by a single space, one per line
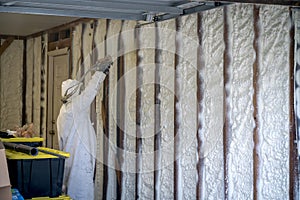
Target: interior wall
296 17
11 73
23 84
35 84
207 106
197 107
201 121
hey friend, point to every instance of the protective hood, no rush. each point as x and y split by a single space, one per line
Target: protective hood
70 88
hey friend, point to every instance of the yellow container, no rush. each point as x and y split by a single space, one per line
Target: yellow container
55 198
33 142
37 176
52 153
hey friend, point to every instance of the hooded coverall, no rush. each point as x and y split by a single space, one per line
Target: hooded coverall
77 136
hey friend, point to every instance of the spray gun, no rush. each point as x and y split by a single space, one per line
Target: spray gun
102 65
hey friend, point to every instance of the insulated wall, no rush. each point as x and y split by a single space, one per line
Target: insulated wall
11 73
198 107
23 84
35 84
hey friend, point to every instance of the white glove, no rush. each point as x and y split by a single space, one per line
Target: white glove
103 64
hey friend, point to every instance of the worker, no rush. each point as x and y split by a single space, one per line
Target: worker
76 133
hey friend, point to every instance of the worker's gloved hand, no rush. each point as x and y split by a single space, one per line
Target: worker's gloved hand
103 64
106 70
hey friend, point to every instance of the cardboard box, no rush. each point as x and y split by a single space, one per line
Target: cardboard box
5 188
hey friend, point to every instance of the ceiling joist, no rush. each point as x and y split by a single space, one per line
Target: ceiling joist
292 3
6 44
98 6
70 13
155 10
35 16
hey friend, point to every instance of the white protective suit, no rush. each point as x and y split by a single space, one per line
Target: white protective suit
77 136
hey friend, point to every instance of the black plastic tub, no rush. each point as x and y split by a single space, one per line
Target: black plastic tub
36 176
